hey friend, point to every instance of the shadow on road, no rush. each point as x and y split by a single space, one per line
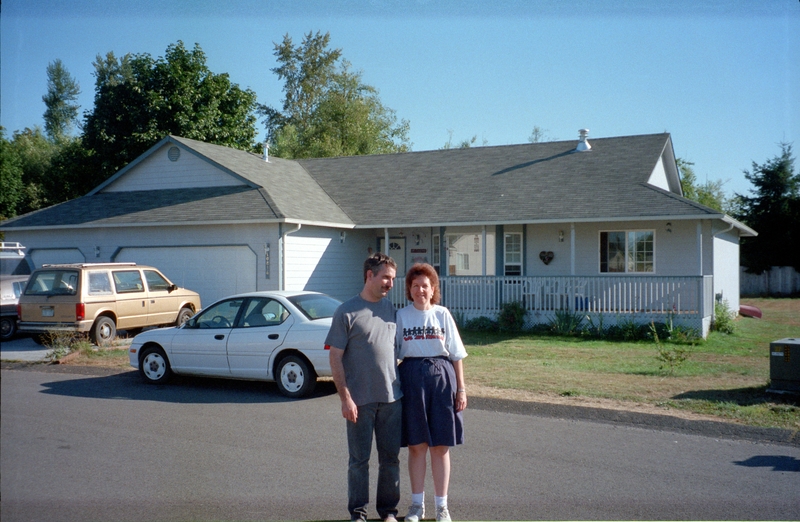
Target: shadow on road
776 462
180 389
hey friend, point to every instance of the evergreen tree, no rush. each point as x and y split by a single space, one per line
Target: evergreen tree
774 212
62 111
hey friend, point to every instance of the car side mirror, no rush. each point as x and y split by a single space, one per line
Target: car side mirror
172 287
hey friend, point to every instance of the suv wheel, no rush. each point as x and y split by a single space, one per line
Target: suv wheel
184 315
8 327
104 331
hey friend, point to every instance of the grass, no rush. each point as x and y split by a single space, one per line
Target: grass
725 376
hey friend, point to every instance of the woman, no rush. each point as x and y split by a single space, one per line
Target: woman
432 380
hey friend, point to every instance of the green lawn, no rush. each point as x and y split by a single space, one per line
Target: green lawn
726 375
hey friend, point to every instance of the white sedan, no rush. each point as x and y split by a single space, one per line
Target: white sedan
269 336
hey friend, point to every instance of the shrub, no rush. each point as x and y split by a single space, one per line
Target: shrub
511 317
566 322
723 318
481 324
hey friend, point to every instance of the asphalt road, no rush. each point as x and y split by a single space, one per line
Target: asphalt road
80 444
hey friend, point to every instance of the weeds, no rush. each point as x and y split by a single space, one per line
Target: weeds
723 318
670 357
566 323
62 344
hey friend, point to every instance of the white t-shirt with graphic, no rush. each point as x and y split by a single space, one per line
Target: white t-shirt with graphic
428 333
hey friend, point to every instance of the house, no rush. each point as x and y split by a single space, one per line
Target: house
594 227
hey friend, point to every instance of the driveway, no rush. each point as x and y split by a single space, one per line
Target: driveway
82 443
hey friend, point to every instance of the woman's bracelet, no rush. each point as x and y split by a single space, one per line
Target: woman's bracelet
461 390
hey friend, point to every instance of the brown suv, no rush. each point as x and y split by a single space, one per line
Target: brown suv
100 298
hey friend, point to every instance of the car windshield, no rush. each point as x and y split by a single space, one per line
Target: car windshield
315 306
53 282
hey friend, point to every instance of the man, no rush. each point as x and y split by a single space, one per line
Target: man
364 367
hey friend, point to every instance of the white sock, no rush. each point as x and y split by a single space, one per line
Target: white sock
418 498
441 501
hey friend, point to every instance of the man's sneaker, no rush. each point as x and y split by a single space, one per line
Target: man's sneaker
442 514
415 513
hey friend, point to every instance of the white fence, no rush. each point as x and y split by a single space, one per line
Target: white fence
778 281
687 300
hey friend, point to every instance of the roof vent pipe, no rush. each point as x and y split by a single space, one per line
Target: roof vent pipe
583 144
266 152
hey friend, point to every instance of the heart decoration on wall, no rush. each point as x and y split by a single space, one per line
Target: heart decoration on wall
546 257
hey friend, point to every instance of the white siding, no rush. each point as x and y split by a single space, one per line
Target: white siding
658 177
726 269
316 259
157 172
41 256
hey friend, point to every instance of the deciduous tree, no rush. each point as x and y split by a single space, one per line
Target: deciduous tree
327 109
140 99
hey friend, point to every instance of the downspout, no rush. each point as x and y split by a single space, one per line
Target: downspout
282 256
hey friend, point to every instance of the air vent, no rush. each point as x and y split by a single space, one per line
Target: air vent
174 153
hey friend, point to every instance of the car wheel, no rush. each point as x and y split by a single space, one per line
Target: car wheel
154 366
184 315
8 327
104 331
295 377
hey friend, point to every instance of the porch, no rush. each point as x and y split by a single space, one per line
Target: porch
689 300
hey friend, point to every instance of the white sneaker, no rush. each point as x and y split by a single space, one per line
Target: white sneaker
442 514
415 513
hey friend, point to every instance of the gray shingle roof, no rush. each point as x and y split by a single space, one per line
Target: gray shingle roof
527 183
505 184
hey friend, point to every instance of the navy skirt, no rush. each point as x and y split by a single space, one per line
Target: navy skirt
429 397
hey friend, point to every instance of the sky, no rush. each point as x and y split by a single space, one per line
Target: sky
721 76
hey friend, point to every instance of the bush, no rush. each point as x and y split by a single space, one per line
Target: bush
481 324
511 317
723 318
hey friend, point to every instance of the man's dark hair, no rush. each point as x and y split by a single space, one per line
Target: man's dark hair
375 262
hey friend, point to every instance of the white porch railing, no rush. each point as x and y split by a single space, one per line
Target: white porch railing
689 300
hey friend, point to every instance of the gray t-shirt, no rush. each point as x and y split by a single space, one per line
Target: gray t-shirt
366 333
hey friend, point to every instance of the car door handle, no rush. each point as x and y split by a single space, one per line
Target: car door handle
219 337
273 336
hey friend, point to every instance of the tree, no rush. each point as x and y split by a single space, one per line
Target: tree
139 100
774 212
538 135
62 111
327 109
10 178
32 153
709 193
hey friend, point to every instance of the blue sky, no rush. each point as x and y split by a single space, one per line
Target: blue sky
722 76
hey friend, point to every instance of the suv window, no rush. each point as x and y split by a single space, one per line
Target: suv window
128 281
155 282
53 282
99 283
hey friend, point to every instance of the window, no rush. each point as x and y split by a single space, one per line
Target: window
99 283
631 251
462 261
128 281
155 282
512 254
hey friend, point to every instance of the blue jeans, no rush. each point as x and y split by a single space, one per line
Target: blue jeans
384 419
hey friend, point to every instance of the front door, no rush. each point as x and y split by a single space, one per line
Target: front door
397 251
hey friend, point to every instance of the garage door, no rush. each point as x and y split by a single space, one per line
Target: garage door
52 256
213 272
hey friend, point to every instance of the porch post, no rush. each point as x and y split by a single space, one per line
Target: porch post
699 248
572 249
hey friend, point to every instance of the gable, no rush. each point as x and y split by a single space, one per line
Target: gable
171 167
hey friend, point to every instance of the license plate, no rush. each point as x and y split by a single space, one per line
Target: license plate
48 312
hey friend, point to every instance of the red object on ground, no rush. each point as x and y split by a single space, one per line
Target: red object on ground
749 311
